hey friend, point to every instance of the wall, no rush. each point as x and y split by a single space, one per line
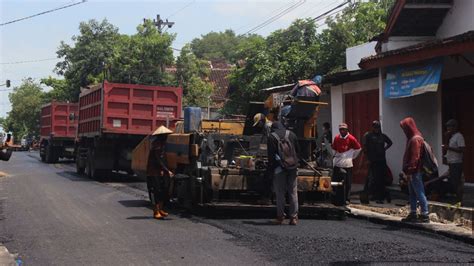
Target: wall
401 42
324 111
337 98
460 19
425 109
354 54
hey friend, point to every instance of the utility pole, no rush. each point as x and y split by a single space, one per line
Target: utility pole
160 24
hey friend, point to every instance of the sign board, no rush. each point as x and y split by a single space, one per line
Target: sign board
165 111
406 81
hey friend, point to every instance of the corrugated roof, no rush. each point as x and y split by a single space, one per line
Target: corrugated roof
462 38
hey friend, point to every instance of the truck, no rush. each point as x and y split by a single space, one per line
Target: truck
114 118
58 125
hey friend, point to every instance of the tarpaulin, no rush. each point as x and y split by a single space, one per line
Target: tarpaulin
405 81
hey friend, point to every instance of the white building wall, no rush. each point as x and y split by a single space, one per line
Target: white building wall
337 108
398 42
460 19
354 54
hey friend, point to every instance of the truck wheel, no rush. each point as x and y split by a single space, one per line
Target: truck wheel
49 154
79 170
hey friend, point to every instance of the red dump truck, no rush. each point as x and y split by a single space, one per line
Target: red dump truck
58 131
115 117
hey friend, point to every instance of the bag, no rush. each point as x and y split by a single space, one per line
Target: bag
286 151
429 164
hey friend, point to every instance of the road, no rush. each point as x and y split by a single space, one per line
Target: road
51 216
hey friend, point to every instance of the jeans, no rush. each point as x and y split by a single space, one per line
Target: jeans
286 182
417 194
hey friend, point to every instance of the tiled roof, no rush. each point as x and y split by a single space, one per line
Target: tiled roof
462 38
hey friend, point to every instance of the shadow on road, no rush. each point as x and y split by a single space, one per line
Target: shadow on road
73 176
264 223
135 203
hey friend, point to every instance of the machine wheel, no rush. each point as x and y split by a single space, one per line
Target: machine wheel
339 196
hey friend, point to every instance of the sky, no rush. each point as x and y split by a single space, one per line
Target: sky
38 38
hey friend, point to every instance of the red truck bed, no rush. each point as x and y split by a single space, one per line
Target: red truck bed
130 109
55 120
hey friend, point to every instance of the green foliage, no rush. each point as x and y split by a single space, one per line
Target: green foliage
141 58
283 57
192 74
84 62
300 51
99 52
356 25
59 91
216 45
26 101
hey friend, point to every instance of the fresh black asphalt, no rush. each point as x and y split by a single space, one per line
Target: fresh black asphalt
51 216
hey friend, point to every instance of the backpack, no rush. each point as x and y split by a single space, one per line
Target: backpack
286 151
429 164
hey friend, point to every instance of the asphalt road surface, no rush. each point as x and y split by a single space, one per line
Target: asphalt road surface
51 216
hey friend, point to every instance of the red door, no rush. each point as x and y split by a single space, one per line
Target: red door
361 108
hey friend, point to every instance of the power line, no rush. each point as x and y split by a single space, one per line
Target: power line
42 13
275 17
272 12
331 10
181 9
28 61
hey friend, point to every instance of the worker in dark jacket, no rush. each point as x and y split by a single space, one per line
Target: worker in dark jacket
285 175
412 167
375 143
158 179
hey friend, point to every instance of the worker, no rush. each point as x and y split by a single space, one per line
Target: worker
454 157
159 175
261 121
283 160
346 148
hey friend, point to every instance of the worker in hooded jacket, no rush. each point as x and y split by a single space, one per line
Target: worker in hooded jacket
412 167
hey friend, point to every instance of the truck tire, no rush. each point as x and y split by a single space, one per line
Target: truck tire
50 156
79 170
91 170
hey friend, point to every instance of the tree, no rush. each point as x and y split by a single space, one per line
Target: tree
283 57
26 101
59 92
357 24
300 51
84 62
192 74
216 45
142 57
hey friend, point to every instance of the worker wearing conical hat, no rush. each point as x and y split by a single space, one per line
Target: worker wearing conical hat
158 179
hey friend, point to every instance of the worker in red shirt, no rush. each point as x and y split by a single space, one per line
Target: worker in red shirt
346 148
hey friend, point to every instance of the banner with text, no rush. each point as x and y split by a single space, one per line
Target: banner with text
405 81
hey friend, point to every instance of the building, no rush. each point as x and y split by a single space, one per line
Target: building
427 54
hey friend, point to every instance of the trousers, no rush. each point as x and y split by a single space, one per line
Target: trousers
284 182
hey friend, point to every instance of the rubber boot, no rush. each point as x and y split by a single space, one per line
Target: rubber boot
161 211
156 212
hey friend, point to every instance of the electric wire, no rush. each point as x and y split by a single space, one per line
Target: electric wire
42 13
275 17
181 9
272 12
321 16
28 61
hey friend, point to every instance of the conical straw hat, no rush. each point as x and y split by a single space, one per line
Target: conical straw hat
161 131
